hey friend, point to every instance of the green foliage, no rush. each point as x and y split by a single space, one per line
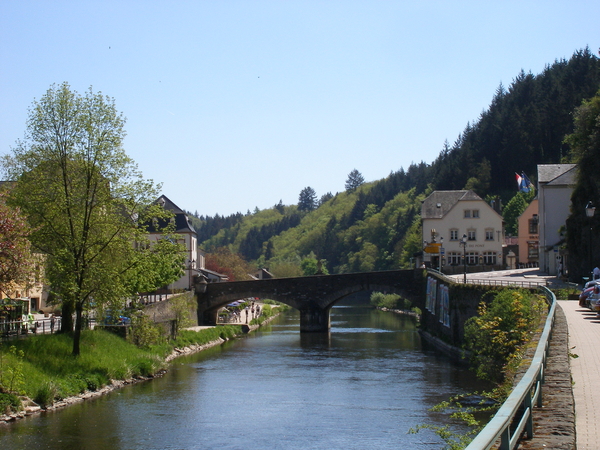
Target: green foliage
307 200
355 179
513 209
501 329
466 415
9 403
313 266
286 268
144 332
412 243
46 394
46 359
480 183
581 230
11 370
182 306
376 225
390 301
186 337
86 201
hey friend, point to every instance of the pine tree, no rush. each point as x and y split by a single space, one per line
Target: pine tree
307 201
355 179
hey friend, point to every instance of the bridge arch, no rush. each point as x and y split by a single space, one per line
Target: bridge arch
313 296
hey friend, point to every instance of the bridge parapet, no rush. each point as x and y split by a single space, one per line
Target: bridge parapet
313 296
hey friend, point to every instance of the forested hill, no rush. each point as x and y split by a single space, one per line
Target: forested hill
375 226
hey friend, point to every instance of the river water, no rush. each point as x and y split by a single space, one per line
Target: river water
363 386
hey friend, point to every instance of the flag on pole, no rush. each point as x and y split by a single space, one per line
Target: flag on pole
523 183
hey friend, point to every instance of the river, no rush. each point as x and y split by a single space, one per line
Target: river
362 386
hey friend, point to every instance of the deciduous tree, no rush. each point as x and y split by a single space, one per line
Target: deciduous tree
582 231
84 198
223 261
15 255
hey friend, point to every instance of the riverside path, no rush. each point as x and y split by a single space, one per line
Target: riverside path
584 341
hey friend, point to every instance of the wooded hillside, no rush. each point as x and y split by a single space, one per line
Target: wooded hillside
376 226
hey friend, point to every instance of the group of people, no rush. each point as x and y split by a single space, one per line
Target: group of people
248 313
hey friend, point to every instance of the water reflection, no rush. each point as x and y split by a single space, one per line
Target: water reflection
363 385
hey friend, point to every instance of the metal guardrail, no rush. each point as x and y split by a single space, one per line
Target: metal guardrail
507 283
20 328
505 425
490 282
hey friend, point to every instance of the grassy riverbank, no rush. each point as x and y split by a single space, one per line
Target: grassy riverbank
43 369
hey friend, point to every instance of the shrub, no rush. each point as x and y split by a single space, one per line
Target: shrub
11 370
389 301
144 332
500 330
9 403
46 394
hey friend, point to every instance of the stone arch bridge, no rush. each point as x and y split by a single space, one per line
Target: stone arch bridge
313 296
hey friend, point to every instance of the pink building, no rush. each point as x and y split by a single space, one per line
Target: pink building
529 238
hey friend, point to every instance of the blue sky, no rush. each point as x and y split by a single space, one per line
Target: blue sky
233 105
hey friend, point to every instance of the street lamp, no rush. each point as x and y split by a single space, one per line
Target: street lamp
191 267
463 242
440 250
590 210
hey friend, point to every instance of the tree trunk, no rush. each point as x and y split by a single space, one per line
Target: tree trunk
66 322
78 326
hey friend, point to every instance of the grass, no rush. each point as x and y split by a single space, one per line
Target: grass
49 372
42 367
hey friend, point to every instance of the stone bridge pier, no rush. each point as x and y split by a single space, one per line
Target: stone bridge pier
313 296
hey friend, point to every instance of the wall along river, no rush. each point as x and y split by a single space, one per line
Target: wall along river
362 386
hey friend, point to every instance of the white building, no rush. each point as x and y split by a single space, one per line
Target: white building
460 222
186 235
555 186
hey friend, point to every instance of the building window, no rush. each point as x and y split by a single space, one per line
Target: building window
467 213
476 214
454 235
454 258
472 258
471 235
489 234
489 258
533 224
532 250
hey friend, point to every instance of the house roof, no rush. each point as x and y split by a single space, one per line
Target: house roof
557 174
439 203
182 222
212 275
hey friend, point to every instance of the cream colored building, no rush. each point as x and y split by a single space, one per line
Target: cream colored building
461 223
35 290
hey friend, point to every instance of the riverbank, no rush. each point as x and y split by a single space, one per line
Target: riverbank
30 407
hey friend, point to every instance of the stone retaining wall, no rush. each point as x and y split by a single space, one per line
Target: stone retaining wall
554 423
